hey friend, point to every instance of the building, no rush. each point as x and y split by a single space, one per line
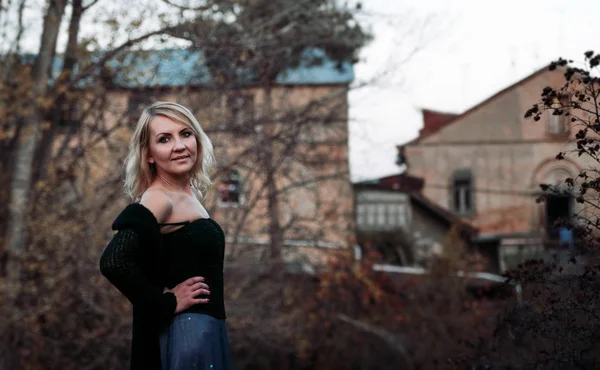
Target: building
487 163
406 228
282 152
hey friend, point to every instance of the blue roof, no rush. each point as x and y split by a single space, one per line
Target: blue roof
182 67
316 68
176 67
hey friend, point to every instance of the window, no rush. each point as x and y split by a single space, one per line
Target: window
381 215
462 192
402 217
230 190
558 207
65 114
391 215
136 104
557 121
240 108
70 118
371 209
557 124
462 195
361 214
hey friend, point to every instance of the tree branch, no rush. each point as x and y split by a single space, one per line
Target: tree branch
109 55
183 7
94 2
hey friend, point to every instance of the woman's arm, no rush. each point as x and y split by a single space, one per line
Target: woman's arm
120 265
120 262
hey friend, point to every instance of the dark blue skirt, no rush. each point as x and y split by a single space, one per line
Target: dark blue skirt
195 341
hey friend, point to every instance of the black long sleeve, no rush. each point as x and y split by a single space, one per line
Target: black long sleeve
121 265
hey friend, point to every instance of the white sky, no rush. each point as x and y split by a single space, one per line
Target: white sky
474 49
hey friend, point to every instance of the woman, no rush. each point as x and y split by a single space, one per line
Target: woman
167 254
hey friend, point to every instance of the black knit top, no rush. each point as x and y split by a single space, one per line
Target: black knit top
197 249
140 262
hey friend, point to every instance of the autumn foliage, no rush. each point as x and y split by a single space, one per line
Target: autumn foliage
349 316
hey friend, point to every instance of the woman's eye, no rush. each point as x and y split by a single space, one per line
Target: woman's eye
187 134
163 139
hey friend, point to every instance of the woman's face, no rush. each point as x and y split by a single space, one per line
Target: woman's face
173 147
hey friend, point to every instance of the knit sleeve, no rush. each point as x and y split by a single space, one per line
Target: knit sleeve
120 264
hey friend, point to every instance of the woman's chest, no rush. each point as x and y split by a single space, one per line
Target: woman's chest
200 242
187 208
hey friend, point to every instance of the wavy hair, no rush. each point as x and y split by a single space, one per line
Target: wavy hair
139 174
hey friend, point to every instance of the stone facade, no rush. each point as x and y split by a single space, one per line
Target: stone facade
311 171
487 163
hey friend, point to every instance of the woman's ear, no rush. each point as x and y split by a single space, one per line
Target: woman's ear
150 160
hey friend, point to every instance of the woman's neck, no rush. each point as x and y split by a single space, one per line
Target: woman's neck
174 184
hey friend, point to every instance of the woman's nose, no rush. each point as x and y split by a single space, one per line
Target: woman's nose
179 145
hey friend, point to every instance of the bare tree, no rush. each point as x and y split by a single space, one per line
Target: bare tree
252 46
27 139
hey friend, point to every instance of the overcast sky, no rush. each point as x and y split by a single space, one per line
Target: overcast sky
471 49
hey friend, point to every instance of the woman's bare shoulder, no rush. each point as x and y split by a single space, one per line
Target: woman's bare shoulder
196 193
158 202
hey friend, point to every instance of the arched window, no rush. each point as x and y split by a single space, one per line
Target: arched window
230 190
557 120
462 192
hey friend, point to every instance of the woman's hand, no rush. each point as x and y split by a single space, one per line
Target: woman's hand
188 290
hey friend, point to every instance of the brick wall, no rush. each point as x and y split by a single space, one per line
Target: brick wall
319 211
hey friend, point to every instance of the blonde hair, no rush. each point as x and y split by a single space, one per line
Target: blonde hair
139 174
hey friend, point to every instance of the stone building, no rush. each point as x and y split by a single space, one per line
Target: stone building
282 151
487 163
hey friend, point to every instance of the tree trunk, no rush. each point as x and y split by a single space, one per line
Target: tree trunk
61 112
21 175
26 147
275 229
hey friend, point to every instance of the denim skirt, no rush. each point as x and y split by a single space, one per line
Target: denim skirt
195 341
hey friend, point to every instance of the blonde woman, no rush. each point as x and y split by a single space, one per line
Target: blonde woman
167 254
